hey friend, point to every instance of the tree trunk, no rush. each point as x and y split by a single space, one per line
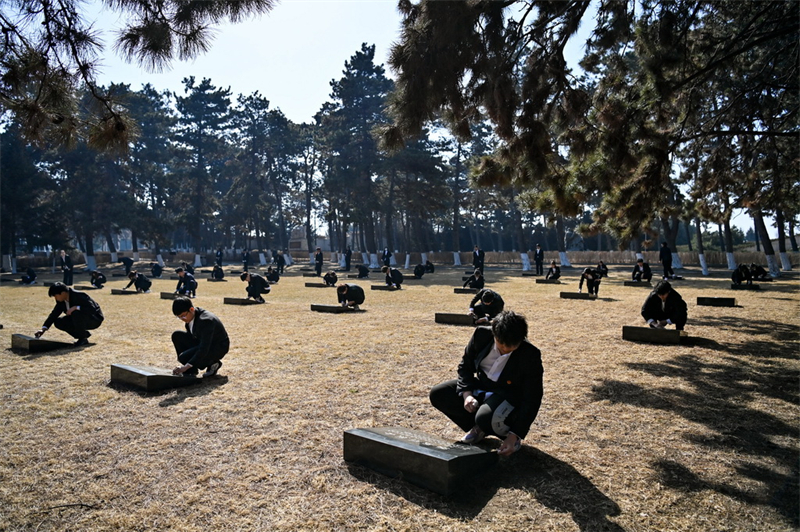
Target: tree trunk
769 251
111 246
671 228
686 225
390 240
91 264
779 222
701 255
561 241
456 201
792 239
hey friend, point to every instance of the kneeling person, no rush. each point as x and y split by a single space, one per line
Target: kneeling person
330 278
256 285
204 342
664 306
350 295
499 387
394 277
82 313
187 284
485 306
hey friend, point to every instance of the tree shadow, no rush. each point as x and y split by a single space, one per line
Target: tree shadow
781 332
552 482
717 396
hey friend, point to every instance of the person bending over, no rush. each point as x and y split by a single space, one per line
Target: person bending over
363 271
330 279
758 272
156 270
187 284
350 295
499 387
217 272
139 281
485 306
602 269
272 275
475 280
98 279
741 275
554 272
29 277
592 278
394 277
429 267
256 286
82 313
641 271
204 342
419 271
664 306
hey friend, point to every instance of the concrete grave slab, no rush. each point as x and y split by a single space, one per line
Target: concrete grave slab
651 335
118 275
637 283
121 292
168 295
85 287
453 318
36 345
383 287
548 281
419 458
318 285
577 295
529 274
355 276
333 309
149 378
465 290
240 301
217 280
745 287
716 301
174 277
48 283
8 280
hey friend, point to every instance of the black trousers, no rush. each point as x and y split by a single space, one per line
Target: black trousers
318 268
539 268
188 288
668 271
186 347
77 324
68 277
592 286
491 415
253 291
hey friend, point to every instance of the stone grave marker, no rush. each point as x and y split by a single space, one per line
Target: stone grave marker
217 280
149 378
36 345
651 335
716 301
333 309
638 283
48 283
529 274
745 287
310 275
168 295
465 290
548 281
85 287
118 275
317 285
577 295
121 292
355 276
453 318
240 301
419 458
383 287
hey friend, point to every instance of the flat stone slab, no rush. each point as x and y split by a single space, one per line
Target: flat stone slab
149 378
121 292
465 290
716 301
85 287
118 275
355 276
637 283
168 295
383 287
240 301
333 309
454 319
318 285
577 295
651 335
36 345
548 281
419 458
217 280
48 283
745 287
311 275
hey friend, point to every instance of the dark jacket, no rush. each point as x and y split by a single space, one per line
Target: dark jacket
665 255
141 282
478 257
394 276
493 309
419 271
66 263
76 299
212 337
354 293
98 279
475 282
553 273
330 278
646 272
591 275
156 270
188 282
674 309
319 258
258 282
363 271
520 381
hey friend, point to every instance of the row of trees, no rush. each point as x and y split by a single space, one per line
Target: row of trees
685 110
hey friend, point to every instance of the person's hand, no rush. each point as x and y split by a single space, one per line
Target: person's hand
510 445
470 403
70 310
39 333
482 320
181 369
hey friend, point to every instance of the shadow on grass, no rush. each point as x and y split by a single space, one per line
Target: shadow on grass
30 356
174 396
718 395
550 481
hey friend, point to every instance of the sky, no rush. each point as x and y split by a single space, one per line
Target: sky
289 55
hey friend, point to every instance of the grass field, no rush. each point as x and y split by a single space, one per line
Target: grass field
630 437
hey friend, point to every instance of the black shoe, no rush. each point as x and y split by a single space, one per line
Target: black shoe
81 341
212 369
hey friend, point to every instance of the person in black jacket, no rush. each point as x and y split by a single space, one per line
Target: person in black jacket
140 281
475 280
348 256
128 262
429 267
318 260
665 256
188 268
218 257
245 259
554 272
538 258
602 269
256 285
272 275
156 270
280 262
187 284
592 278
350 295
664 306
363 271
478 258
394 277
204 342
217 272
419 271
499 387
742 275
641 271
330 278
66 267
758 273
485 306
98 279
386 257
29 277
82 313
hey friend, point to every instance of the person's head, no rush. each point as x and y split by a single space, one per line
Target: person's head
182 308
587 271
476 247
487 298
601 263
269 269
663 244
385 269
509 330
341 289
319 249
245 276
59 292
95 273
553 263
477 272
179 271
132 275
538 246
640 261
63 252
662 289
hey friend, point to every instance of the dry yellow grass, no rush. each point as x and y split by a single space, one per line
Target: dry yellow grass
630 437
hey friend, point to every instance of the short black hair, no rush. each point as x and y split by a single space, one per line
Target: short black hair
385 269
477 271
132 274
181 305
57 288
341 289
663 287
243 277
487 296
510 328
179 270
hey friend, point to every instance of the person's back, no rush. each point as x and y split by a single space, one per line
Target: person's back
330 278
419 271
363 271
